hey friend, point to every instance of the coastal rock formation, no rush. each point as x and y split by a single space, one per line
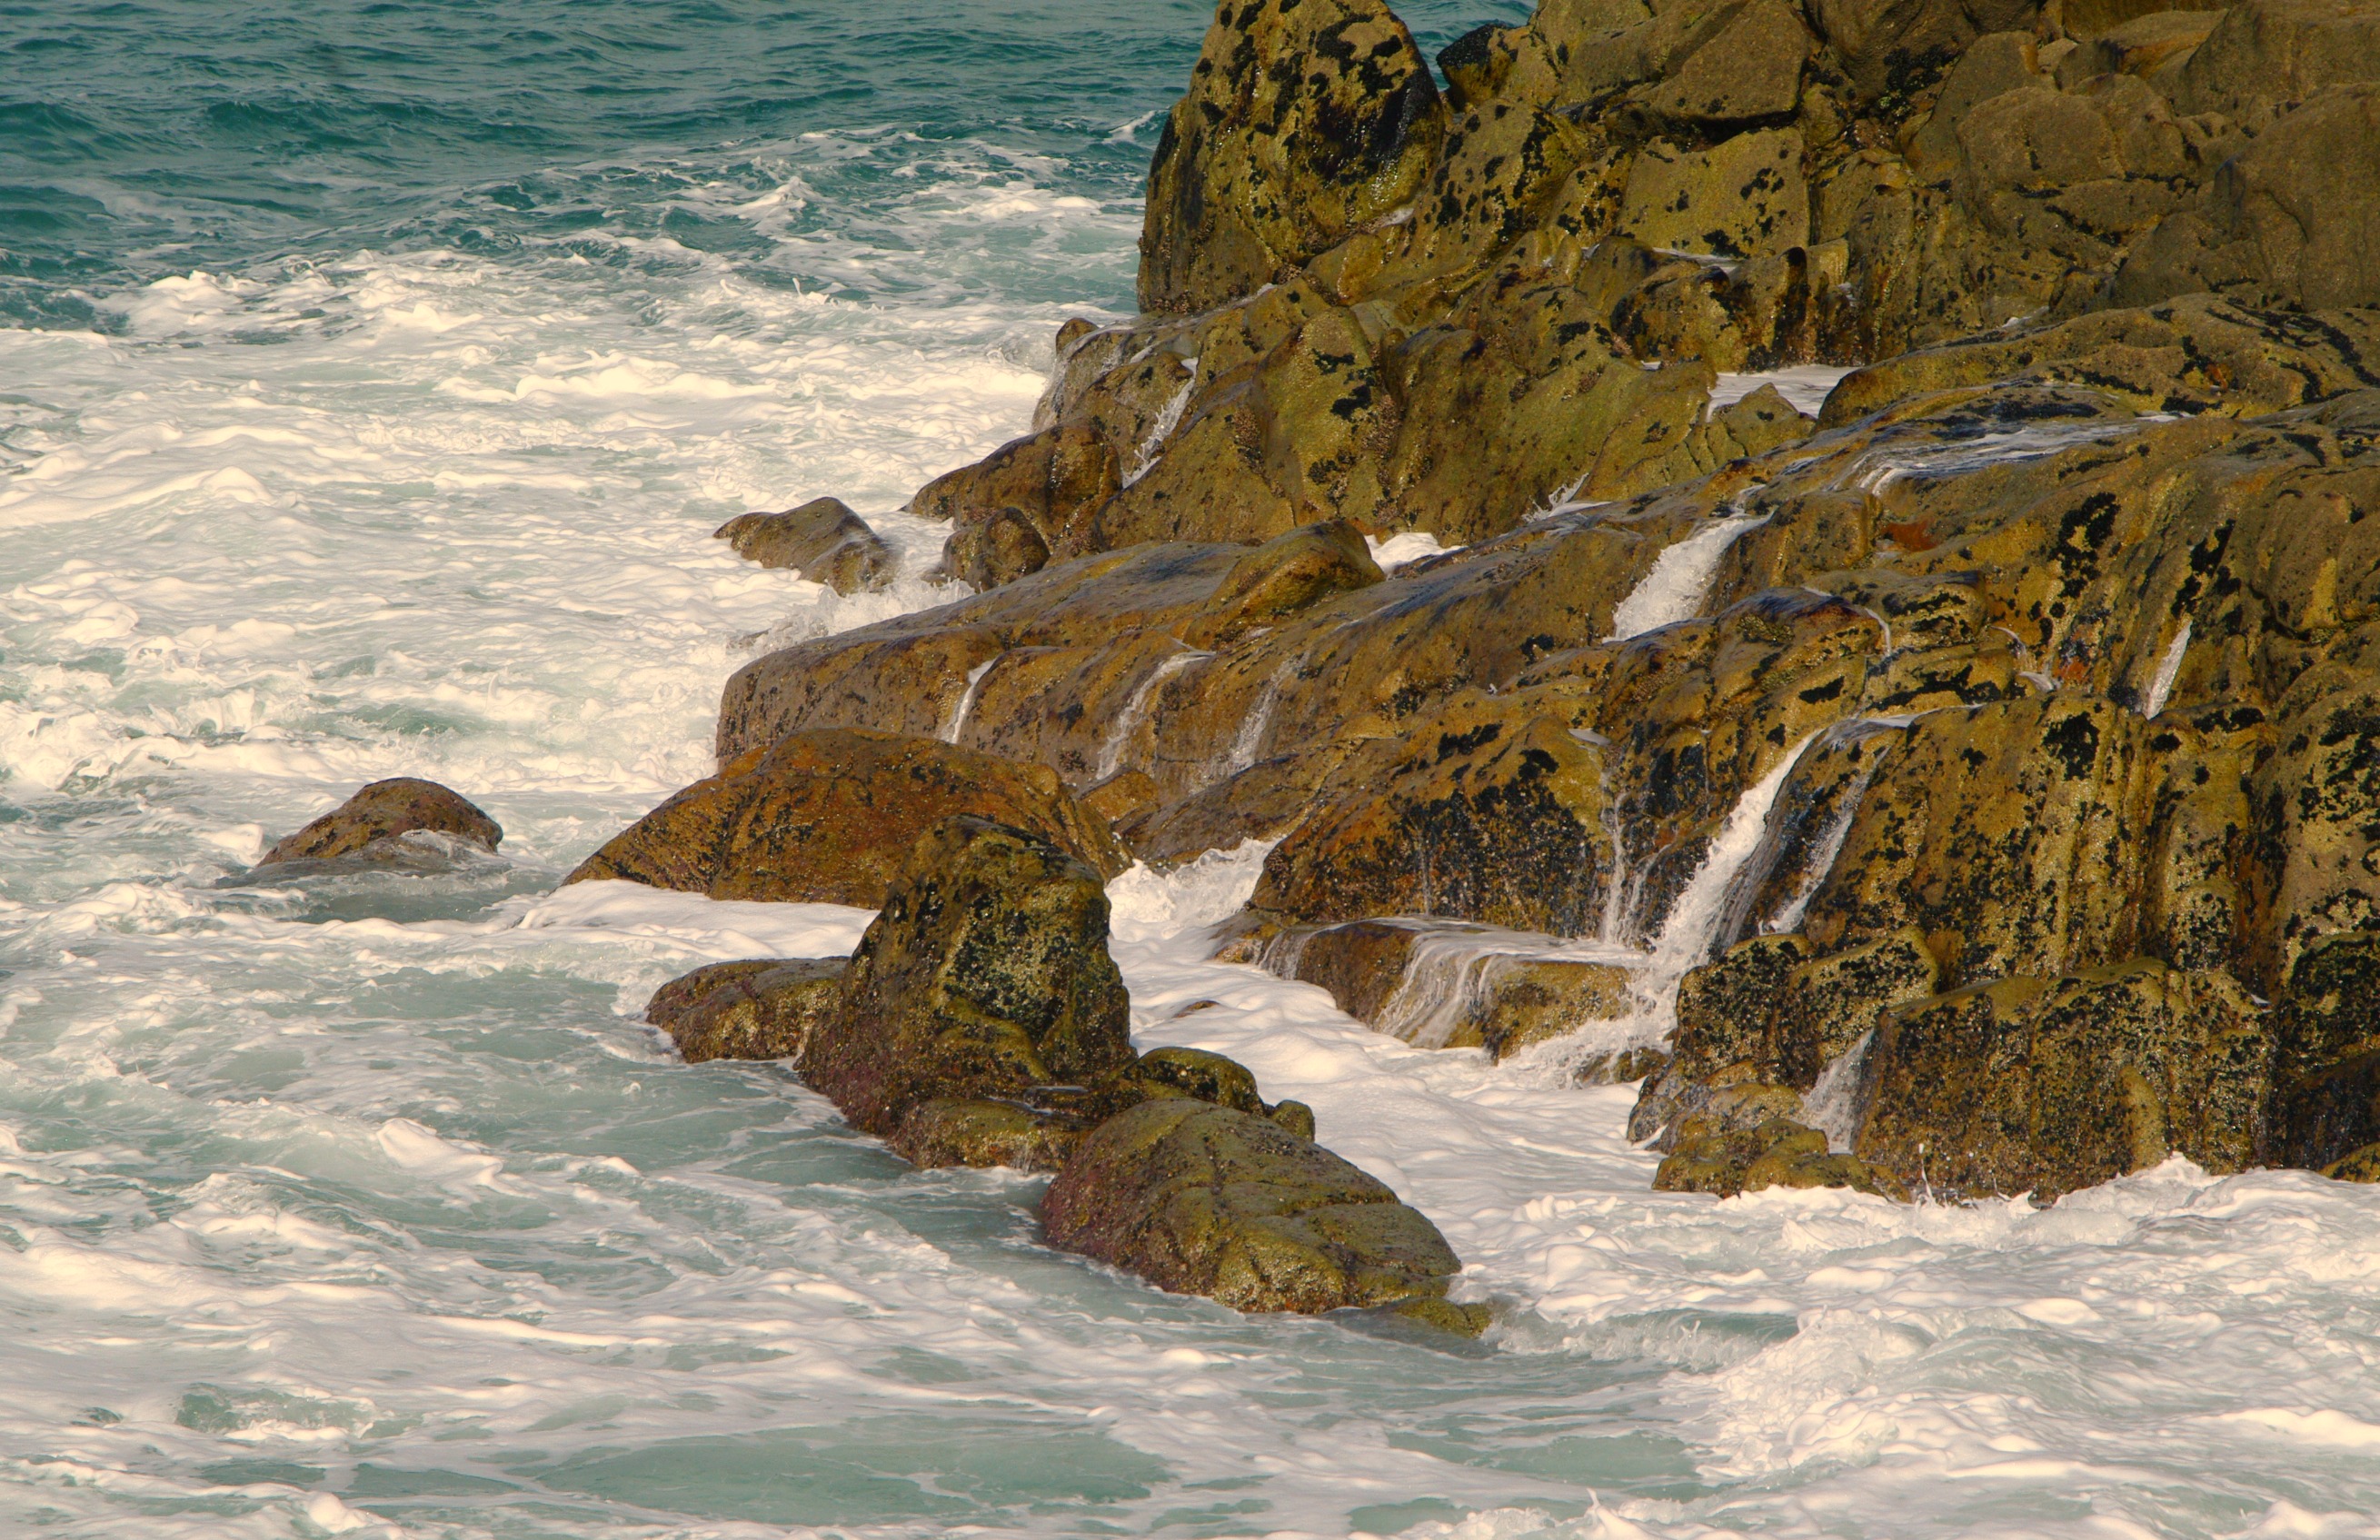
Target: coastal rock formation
823 539
1203 1199
1966 790
761 1008
370 825
1260 168
829 818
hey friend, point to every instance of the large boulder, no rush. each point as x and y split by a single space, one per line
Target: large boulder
1305 119
986 977
830 816
370 825
1201 1199
823 539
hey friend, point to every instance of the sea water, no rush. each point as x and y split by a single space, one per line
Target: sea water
371 378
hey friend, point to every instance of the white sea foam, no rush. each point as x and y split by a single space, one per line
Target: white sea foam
1804 386
1681 577
1404 549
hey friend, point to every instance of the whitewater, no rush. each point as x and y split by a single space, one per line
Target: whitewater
370 381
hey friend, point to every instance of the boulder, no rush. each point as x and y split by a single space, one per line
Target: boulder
2290 222
1305 120
830 817
370 825
761 1008
985 976
1777 1152
1200 1199
1442 984
1500 820
1747 196
2028 1085
823 539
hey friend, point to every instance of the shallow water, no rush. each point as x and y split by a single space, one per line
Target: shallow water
372 380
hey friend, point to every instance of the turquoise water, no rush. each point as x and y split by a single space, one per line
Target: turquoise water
372 377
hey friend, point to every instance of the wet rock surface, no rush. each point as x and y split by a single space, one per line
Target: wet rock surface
1202 1199
370 826
828 816
761 1008
1976 775
985 976
823 539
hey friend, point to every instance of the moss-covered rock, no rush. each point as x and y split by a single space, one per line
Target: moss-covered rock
1201 1199
986 974
2027 1085
1712 1157
1305 119
763 1008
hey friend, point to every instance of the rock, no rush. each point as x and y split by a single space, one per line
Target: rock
2289 222
1749 68
1747 196
2191 354
1286 575
1304 121
764 1008
823 539
2026 1084
1439 983
371 824
1777 1153
1498 821
828 816
985 976
1893 52
1200 1199
2265 56
2362 1165
1755 424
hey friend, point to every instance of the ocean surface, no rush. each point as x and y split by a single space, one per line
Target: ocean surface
371 376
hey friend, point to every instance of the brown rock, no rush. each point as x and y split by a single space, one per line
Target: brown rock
765 1008
1302 122
830 817
1200 1199
823 539
986 976
1777 1152
370 825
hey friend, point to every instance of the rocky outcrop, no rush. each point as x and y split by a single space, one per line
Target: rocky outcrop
1205 1200
823 539
761 1008
370 826
1974 782
1261 167
828 816
1445 319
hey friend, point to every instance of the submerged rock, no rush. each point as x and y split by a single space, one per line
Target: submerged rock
828 816
763 1008
823 539
1777 1152
370 825
1202 1199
